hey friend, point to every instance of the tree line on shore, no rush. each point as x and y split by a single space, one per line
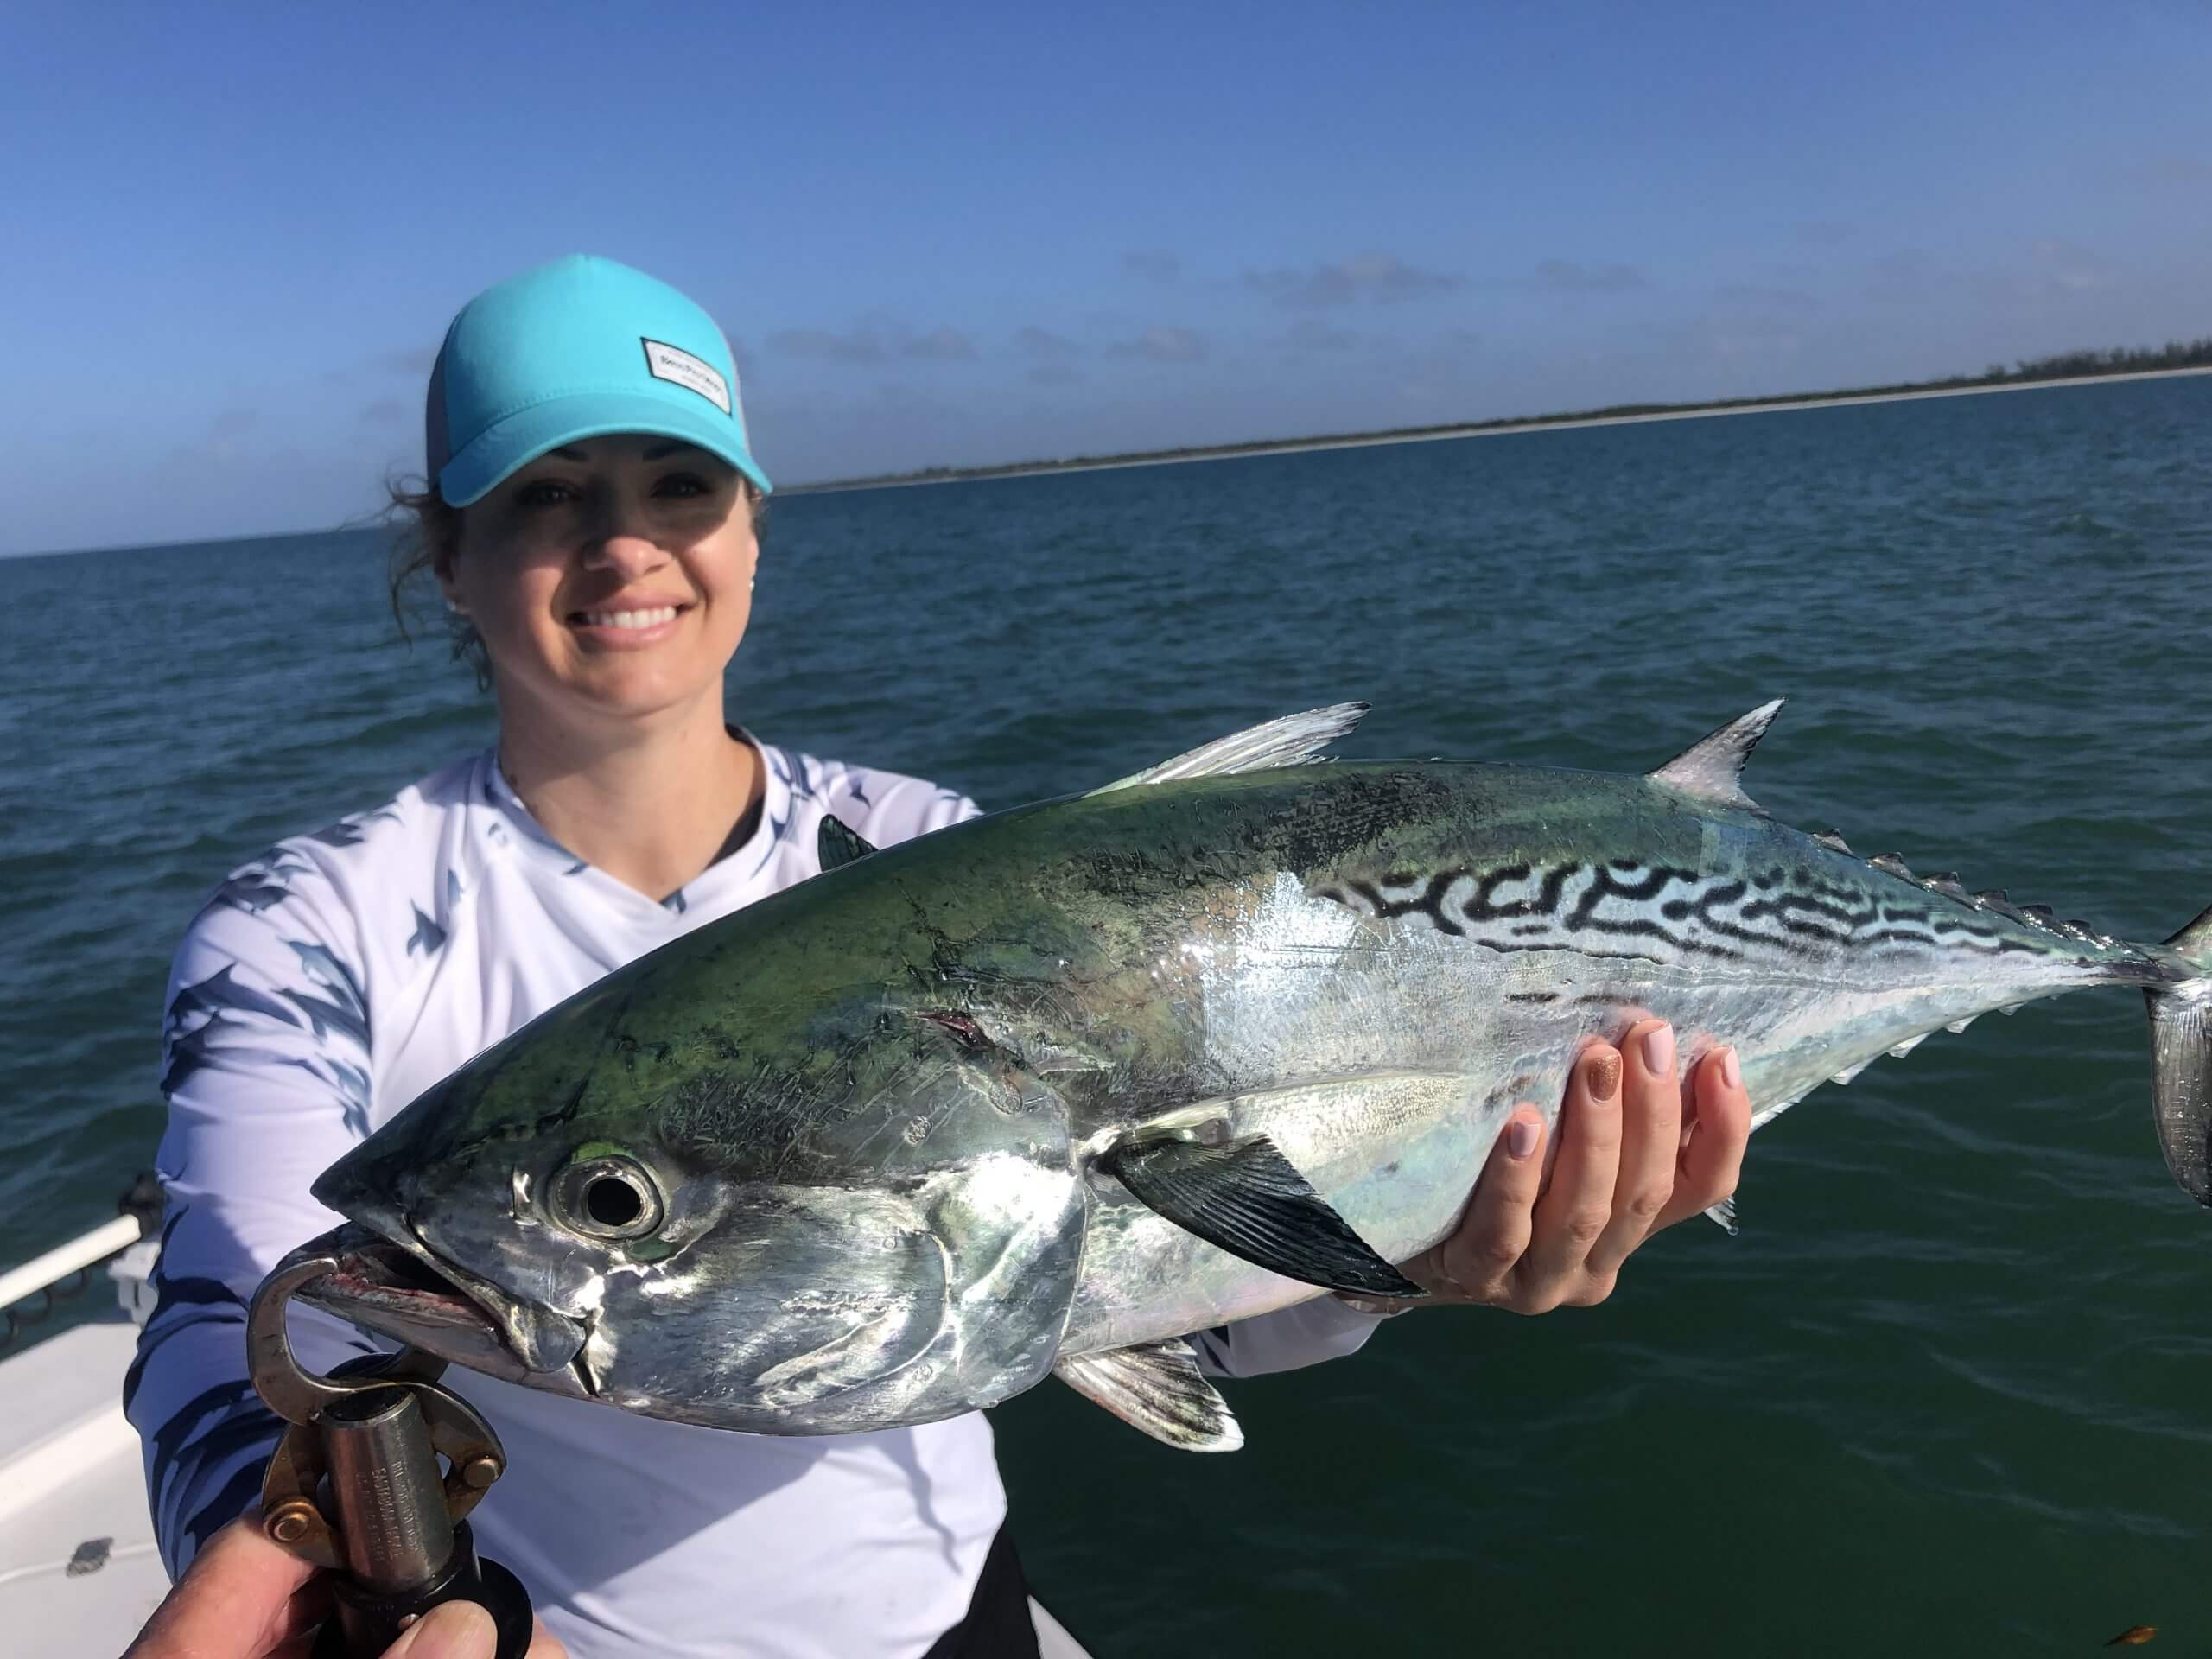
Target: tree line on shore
2120 360
2060 365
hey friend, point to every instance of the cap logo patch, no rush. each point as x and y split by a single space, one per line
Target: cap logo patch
680 368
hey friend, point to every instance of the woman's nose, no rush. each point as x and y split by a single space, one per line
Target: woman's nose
619 540
624 552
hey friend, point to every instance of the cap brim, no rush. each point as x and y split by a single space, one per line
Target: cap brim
507 445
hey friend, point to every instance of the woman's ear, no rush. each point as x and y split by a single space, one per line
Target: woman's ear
443 567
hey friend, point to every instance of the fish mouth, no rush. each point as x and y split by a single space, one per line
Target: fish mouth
390 1282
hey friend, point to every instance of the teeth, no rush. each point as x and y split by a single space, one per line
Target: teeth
652 619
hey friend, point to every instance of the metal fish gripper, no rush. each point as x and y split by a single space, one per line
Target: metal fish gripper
356 1486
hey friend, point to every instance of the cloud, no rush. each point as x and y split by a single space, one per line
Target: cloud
2070 266
1312 335
218 442
1823 232
862 346
1044 344
1154 266
2176 169
1382 276
1571 276
1056 374
874 343
1754 297
1902 277
1162 346
941 345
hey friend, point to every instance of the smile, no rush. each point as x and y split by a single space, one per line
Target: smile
629 619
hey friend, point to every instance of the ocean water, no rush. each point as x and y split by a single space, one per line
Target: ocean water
1951 1390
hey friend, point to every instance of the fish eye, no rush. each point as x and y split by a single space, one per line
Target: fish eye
607 1198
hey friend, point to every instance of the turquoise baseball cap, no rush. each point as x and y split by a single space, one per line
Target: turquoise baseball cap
579 348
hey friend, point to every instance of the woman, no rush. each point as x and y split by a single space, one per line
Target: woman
591 520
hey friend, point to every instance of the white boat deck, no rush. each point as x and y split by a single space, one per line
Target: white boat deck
79 1571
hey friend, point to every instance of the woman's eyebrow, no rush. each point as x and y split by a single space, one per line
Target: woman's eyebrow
663 451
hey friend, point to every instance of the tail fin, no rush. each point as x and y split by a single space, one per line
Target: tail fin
2181 1063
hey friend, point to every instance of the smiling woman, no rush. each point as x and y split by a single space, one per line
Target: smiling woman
592 518
431 542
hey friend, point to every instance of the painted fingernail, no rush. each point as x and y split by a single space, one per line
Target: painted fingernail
1659 1051
1732 1069
1521 1139
1605 1075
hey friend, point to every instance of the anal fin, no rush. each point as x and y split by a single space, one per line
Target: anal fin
1246 1199
1157 1388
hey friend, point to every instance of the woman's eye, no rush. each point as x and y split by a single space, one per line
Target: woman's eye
681 483
543 493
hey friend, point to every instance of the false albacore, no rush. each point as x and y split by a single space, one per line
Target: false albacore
1051 1089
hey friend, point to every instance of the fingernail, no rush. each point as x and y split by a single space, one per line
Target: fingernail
452 1629
1605 1075
1521 1139
1659 1051
1732 1069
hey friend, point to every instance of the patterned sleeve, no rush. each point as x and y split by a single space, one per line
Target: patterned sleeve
265 1068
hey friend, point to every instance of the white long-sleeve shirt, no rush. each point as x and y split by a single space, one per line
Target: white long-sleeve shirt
331 980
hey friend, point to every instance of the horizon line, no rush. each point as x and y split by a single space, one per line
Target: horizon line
1504 426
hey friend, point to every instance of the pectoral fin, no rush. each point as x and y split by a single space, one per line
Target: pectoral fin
837 844
1246 1199
1156 1388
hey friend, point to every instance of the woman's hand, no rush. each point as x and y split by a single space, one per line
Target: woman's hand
1637 1151
243 1598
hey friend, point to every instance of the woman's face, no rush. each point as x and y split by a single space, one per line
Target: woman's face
611 580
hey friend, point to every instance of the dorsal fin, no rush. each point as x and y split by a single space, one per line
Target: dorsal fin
838 844
1289 741
1711 769
2195 940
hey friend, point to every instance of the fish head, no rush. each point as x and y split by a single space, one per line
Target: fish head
862 1222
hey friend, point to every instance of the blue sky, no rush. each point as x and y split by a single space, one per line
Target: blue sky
990 232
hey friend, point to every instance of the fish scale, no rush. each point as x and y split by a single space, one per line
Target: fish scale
1058 1088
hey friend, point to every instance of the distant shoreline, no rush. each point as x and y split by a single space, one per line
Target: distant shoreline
1624 415
1631 415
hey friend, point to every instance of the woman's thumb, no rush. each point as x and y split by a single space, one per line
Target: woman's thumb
452 1629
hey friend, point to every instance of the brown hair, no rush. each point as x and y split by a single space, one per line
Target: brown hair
427 540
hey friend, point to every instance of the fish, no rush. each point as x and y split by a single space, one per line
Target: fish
1052 1090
